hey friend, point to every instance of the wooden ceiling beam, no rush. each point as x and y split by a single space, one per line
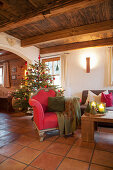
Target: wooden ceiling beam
97 27
74 5
20 23
34 17
78 45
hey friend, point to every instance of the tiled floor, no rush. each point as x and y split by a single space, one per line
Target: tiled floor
20 148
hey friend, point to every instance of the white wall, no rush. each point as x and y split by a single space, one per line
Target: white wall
13 45
77 78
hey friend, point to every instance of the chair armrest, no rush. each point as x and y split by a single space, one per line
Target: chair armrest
38 113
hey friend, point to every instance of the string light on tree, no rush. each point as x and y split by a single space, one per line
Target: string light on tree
36 77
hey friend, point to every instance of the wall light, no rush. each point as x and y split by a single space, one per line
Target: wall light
88 65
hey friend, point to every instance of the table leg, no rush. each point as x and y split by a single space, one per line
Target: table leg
87 128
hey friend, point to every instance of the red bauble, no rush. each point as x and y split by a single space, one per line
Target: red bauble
39 57
25 63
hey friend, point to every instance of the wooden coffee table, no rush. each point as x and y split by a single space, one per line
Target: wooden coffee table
88 125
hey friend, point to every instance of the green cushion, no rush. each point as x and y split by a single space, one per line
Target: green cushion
56 104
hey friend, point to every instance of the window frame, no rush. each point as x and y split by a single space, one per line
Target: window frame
51 60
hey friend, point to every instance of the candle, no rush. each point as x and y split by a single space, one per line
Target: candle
101 108
93 104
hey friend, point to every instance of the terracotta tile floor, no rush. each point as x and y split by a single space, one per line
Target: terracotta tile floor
20 148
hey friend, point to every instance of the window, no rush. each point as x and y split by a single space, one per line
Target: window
54 65
1 75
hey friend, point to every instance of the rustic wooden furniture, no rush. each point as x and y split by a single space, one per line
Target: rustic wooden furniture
88 125
6 104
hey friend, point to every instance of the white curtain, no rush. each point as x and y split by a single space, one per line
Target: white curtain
6 74
66 74
108 78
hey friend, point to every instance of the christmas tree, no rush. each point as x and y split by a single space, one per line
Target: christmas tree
36 76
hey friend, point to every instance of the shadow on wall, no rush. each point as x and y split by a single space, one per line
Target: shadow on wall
78 94
16 52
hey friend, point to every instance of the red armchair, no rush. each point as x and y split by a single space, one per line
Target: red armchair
44 121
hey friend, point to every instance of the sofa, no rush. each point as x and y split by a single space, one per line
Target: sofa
83 105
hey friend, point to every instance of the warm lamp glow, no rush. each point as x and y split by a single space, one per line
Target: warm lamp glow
101 108
93 104
21 86
94 59
31 95
25 72
88 65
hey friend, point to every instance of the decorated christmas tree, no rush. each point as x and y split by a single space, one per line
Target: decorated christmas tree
36 76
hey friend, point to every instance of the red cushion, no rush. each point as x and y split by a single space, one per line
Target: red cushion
50 120
42 97
107 98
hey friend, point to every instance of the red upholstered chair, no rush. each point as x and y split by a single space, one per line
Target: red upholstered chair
44 120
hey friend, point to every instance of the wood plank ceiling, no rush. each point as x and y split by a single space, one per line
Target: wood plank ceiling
48 23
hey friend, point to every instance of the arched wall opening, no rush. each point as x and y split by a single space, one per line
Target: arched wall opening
14 65
17 66
18 53
12 44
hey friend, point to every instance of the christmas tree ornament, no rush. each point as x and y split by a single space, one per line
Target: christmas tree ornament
39 57
37 77
25 63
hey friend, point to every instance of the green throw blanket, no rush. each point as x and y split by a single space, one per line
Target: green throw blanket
70 118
